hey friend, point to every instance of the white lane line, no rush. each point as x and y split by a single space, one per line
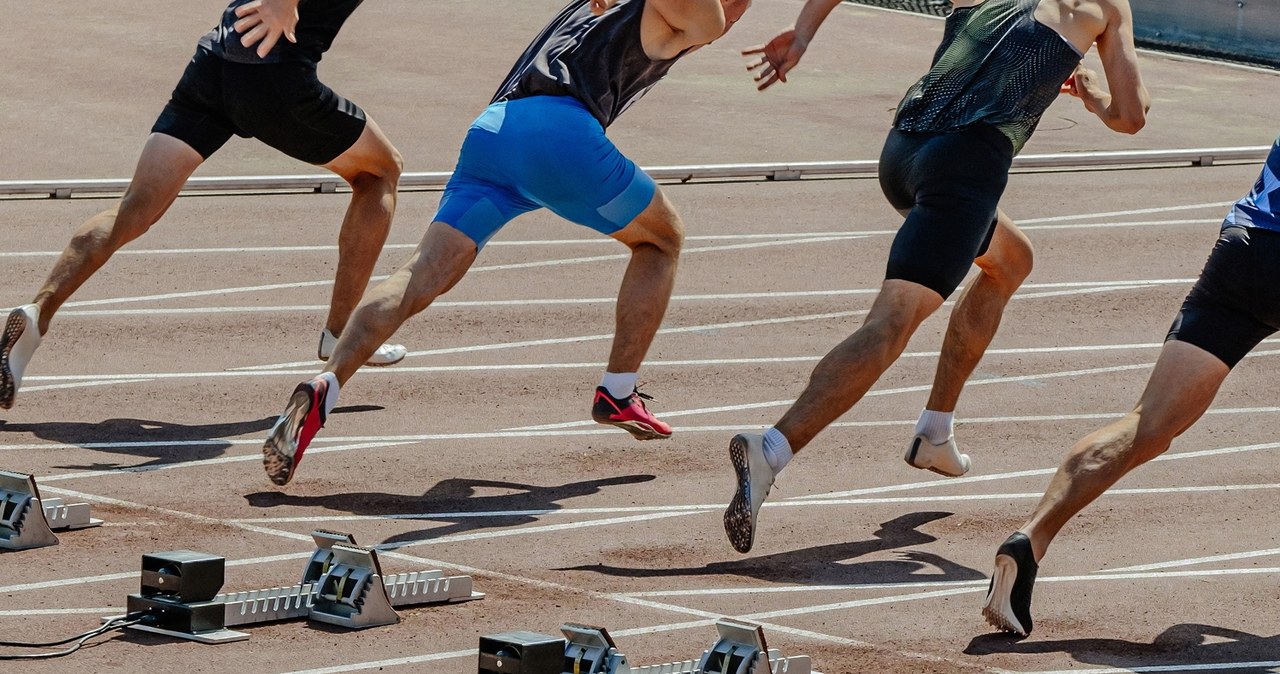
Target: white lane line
1146 669
24 613
601 337
62 477
341 439
332 248
391 662
400 369
81 383
1019 351
1171 456
1198 560
673 510
943 586
479 268
870 394
133 575
605 240
1095 286
589 338
567 526
1121 214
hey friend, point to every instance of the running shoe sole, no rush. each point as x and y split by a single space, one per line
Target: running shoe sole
14 326
641 431
737 517
999 609
280 451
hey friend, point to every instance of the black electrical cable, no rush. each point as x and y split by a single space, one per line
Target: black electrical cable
80 639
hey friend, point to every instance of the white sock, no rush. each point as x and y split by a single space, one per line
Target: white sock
777 450
331 395
620 384
936 426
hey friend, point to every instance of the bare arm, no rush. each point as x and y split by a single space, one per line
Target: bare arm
263 22
1123 108
690 22
782 53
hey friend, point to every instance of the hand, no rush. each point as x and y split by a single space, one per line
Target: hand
1069 87
599 7
1083 84
777 58
262 22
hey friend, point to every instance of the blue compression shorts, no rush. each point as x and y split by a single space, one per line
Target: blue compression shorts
541 151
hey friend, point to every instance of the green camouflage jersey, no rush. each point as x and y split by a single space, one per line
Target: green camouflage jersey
996 65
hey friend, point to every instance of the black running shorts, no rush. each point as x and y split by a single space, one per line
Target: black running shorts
1236 302
948 185
281 104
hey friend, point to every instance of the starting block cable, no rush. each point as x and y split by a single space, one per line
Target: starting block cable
80 639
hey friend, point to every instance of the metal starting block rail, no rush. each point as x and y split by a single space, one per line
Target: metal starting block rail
740 649
28 521
342 584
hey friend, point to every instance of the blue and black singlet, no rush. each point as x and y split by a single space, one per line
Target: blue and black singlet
599 60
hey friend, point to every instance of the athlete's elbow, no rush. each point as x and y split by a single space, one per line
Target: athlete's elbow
1130 123
1133 124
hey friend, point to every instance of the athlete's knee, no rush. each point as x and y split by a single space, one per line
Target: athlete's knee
1011 263
659 226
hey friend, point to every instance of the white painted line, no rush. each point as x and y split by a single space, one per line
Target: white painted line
133 575
341 439
1199 560
331 248
393 662
588 338
62 477
81 383
30 613
505 533
657 511
945 586
1120 214
1096 286
495 367
1170 456
1175 669
870 394
478 268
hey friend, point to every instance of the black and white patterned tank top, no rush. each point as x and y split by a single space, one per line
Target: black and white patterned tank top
996 65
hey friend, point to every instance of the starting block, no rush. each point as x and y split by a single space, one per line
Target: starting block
740 649
342 584
28 521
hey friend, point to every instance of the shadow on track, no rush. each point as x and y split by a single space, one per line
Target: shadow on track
1181 645
455 495
827 564
161 438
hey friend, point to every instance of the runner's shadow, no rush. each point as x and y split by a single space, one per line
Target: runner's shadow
827 564
454 501
206 440
1186 644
